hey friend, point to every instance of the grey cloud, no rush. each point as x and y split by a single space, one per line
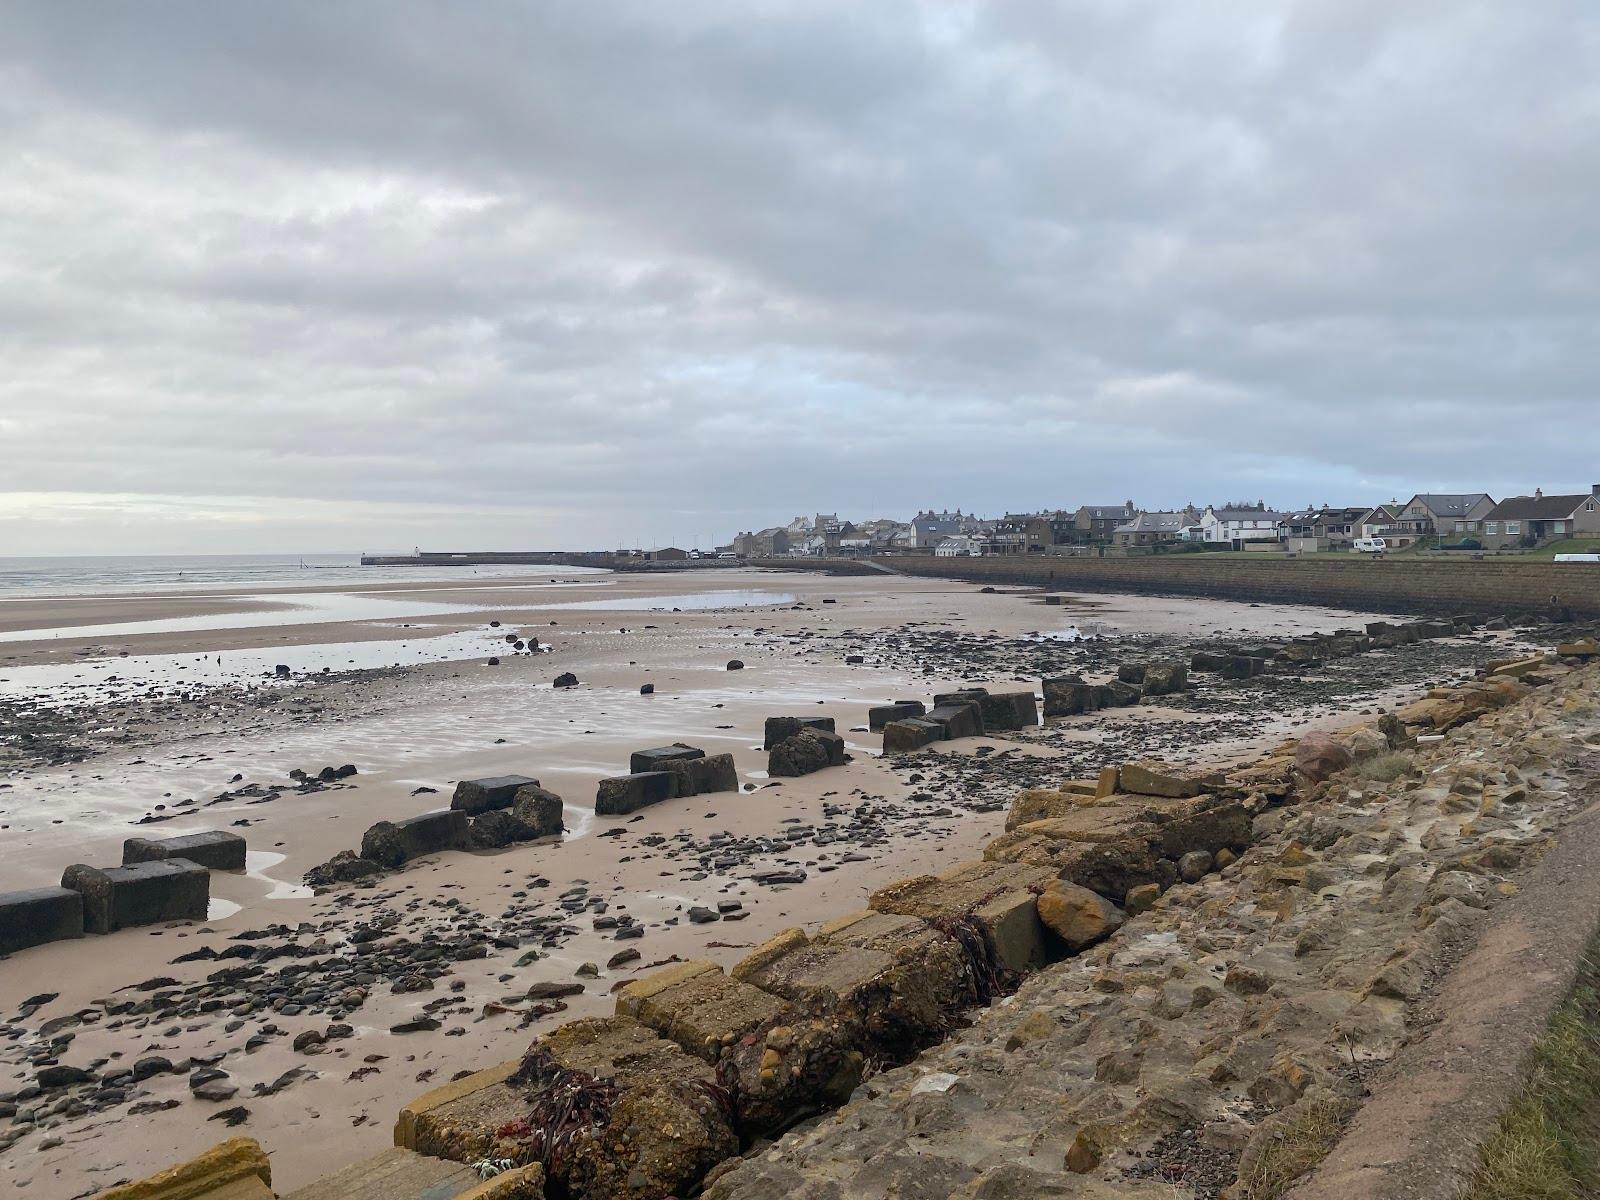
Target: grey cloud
728 263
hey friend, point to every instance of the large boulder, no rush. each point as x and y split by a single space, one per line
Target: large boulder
1318 757
344 867
1079 917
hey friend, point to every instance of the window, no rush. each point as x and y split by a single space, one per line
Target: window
1491 527
1513 527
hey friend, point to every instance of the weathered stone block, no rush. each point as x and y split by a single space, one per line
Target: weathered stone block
662 1129
999 895
959 720
1158 779
888 999
912 733
1117 694
880 715
695 1005
217 850
236 1169
641 761
628 793
1038 804
172 889
391 843
780 729
35 916
480 795
696 776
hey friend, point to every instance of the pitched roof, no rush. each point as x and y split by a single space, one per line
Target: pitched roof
1537 508
1155 522
1442 505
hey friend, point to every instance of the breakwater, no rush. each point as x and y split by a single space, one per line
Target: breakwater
1394 585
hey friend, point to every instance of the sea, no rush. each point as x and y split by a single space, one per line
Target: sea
117 574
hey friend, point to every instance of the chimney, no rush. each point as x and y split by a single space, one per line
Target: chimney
1538 493
1594 489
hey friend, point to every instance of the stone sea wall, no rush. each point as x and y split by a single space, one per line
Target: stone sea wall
1231 948
1492 586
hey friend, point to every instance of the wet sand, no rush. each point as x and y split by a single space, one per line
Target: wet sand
430 725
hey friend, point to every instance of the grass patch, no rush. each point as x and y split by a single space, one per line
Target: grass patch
1384 768
1547 1146
1296 1147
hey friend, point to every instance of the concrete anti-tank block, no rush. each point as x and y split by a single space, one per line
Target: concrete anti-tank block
912 733
1070 696
641 761
391 843
779 729
473 796
695 1005
172 889
217 850
38 915
697 776
629 793
959 720
880 715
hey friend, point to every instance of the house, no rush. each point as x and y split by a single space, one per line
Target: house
1335 527
769 543
666 554
962 545
929 528
1384 521
1097 522
1150 528
1235 525
1531 520
1431 514
1018 533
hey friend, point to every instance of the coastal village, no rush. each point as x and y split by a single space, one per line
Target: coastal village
1470 522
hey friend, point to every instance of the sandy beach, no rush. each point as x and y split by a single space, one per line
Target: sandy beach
163 729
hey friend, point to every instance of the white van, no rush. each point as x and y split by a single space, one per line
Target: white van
1370 545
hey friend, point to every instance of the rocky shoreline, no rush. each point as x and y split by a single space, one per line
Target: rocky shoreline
301 994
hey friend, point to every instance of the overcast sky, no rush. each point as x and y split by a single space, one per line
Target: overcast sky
332 276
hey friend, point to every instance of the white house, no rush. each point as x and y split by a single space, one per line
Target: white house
1231 526
961 546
